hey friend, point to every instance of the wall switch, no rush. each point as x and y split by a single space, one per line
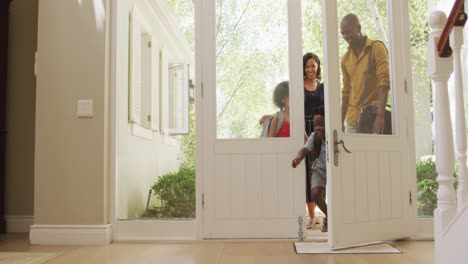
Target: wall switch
85 108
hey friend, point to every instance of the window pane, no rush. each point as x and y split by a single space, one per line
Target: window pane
422 101
251 60
364 28
157 174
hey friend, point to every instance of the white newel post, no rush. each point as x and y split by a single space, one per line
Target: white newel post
440 70
456 41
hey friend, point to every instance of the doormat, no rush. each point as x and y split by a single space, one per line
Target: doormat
322 248
26 257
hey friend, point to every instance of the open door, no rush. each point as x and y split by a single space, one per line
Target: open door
250 189
371 189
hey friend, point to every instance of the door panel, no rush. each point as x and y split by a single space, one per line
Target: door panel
370 190
254 185
250 189
259 190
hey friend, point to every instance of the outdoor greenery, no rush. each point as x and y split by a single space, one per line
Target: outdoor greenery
251 51
427 186
188 141
176 191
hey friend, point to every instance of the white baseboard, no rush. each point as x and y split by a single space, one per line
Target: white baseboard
425 229
19 223
70 234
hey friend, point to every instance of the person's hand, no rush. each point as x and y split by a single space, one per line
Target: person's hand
263 119
379 124
296 162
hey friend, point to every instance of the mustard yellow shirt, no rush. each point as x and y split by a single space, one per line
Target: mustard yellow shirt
354 77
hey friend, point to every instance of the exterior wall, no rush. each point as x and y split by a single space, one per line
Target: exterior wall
70 157
21 96
140 161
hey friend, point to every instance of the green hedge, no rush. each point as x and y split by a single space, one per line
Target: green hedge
176 192
427 187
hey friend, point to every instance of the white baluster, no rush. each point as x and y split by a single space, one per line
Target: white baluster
456 41
440 70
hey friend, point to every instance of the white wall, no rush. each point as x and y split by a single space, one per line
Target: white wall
141 161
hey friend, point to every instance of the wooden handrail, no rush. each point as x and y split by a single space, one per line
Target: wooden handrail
457 18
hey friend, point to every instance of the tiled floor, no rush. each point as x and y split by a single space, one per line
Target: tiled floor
212 252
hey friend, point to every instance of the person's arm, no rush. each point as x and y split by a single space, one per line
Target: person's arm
344 110
263 119
383 82
379 123
299 157
304 151
345 92
274 122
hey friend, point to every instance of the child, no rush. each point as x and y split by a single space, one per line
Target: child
316 145
281 100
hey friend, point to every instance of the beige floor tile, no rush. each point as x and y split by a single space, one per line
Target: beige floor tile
258 249
421 252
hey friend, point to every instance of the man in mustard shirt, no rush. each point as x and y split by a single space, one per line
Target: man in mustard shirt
354 66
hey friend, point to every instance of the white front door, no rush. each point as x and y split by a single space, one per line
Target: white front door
250 189
371 191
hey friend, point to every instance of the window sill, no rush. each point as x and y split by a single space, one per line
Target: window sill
142 132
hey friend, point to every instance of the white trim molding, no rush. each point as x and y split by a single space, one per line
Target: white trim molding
71 234
425 229
151 230
19 223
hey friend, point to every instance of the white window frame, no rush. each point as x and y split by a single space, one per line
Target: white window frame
176 96
139 26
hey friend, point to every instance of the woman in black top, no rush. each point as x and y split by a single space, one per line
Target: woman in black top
313 105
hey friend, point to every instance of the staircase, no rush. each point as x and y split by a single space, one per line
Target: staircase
444 58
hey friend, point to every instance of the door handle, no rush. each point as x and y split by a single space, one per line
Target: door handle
336 150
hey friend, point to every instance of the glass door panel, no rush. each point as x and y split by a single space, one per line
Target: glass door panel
365 54
251 60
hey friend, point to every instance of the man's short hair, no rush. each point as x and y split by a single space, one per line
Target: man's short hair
351 19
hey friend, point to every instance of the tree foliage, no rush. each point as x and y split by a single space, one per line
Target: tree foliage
252 52
251 57
188 141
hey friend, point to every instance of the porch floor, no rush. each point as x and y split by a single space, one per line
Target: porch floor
211 252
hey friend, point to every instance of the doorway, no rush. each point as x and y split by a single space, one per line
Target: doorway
245 188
